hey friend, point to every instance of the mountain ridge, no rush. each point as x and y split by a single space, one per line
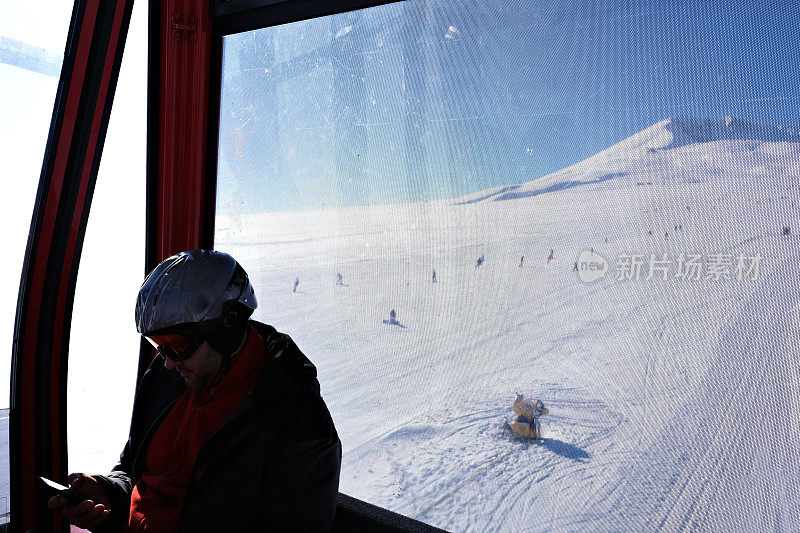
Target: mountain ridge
648 156
691 130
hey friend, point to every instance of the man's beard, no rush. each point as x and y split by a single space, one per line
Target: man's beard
204 378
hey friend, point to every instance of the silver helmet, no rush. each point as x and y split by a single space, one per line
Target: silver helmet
192 287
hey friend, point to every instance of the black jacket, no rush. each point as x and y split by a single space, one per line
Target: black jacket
273 465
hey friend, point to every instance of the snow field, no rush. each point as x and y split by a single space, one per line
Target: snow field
672 401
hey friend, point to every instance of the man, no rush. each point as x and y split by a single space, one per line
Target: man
229 431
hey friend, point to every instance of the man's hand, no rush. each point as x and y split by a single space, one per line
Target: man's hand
89 512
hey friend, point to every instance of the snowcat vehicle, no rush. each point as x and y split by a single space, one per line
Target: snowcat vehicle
527 424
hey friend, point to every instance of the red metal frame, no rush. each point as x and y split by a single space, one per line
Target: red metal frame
27 434
184 85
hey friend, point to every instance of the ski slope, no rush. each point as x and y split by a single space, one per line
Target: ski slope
673 402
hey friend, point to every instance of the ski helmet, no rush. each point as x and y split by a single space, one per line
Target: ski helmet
201 291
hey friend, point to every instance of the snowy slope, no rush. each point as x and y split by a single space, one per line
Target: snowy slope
672 401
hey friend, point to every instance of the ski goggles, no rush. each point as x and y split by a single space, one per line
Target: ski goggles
177 344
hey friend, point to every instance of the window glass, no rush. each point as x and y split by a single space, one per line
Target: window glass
104 345
32 42
455 205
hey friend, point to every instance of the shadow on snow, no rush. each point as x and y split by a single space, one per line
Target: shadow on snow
560 186
566 450
508 193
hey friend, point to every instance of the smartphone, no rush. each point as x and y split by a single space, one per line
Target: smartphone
61 490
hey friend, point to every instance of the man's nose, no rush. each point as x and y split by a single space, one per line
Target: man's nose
169 364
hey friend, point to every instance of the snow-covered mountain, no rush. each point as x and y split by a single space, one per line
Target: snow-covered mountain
673 400
677 148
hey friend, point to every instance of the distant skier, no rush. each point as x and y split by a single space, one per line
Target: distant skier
339 279
480 261
521 260
433 280
393 317
576 267
606 240
649 232
787 231
550 257
296 283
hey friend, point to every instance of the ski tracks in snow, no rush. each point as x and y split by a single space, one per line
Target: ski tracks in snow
711 468
449 460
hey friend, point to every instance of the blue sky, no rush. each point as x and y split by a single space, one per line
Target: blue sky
422 100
